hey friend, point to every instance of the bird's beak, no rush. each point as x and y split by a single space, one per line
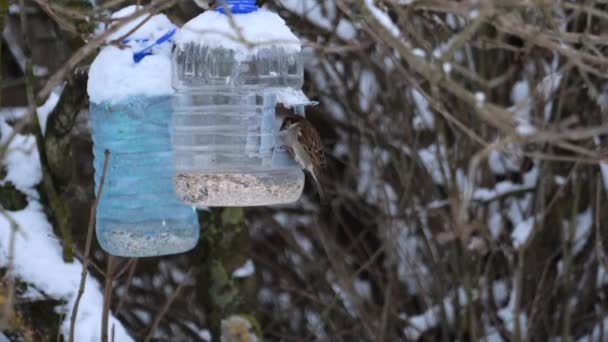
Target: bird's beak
281 111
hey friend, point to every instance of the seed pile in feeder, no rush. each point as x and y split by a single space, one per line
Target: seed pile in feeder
238 189
130 241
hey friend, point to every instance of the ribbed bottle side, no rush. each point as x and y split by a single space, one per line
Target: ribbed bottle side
140 165
196 66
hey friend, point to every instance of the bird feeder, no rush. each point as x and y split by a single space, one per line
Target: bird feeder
229 68
130 105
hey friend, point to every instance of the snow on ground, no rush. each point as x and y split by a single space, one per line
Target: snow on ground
436 163
368 89
411 269
45 110
502 163
509 313
431 318
315 323
312 11
424 118
495 220
247 270
383 18
524 100
582 230
38 254
417 324
602 276
599 333
522 232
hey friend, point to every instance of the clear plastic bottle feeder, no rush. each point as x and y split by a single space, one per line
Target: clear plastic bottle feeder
129 89
229 68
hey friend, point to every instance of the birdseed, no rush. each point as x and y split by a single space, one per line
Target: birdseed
128 241
239 189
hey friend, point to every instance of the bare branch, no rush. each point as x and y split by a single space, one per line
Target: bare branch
87 248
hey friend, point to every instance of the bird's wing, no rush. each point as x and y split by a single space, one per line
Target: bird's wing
314 148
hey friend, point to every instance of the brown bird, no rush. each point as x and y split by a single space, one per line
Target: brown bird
303 143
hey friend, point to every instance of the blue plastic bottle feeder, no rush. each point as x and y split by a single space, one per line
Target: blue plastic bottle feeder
138 214
238 6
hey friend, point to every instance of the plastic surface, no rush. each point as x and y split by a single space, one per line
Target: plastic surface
226 150
148 45
138 214
238 6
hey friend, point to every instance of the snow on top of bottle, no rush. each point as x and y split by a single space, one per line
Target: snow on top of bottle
243 33
114 75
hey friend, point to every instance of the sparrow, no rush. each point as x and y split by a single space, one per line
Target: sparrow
303 143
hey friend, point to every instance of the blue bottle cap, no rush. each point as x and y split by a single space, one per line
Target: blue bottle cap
146 51
237 6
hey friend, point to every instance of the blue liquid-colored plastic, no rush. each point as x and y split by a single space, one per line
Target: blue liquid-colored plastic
138 214
238 6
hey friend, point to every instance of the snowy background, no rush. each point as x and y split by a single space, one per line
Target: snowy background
467 185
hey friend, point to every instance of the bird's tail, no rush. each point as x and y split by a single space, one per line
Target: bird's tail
322 196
